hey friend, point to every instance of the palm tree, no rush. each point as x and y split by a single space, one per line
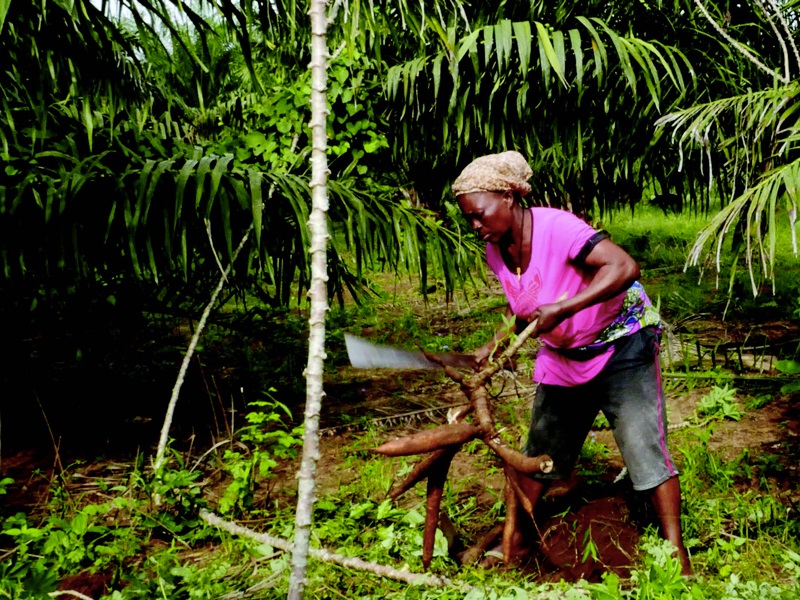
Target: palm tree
578 88
177 133
749 139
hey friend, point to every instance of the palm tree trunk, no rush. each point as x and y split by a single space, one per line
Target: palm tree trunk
319 297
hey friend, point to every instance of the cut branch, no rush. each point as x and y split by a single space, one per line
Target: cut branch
173 401
326 555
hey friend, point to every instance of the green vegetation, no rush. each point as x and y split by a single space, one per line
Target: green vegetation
105 530
141 141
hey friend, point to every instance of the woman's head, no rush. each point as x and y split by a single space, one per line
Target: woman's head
487 189
506 171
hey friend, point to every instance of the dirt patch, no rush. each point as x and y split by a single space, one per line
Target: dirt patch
596 538
92 585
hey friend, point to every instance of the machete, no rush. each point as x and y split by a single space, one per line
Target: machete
366 355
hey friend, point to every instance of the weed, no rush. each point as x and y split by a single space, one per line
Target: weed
790 367
758 402
660 575
591 460
589 547
724 551
720 403
736 589
770 465
473 446
601 422
702 466
265 442
791 564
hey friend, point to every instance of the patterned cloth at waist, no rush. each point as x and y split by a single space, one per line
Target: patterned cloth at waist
637 313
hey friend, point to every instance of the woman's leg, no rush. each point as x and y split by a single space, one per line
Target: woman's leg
635 408
523 536
667 501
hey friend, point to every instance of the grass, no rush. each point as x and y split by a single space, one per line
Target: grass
744 542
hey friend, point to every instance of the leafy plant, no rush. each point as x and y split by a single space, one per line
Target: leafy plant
268 442
591 460
790 367
660 575
720 403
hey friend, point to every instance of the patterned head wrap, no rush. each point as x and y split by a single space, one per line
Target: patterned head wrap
495 173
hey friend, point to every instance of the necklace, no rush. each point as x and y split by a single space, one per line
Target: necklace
521 246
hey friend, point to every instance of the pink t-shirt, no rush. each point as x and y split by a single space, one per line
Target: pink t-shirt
552 275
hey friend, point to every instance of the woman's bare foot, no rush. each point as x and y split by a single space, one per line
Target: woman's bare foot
494 557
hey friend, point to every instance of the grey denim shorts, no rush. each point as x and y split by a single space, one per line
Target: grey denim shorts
630 394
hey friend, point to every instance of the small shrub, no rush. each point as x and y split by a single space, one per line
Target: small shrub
720 403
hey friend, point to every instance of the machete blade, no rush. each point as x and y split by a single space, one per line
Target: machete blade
366 355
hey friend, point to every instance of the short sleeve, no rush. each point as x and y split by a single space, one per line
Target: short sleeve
588 247
577 234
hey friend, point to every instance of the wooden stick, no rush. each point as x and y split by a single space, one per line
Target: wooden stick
496 364
173 401
328 556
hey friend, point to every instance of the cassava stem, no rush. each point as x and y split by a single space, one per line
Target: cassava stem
480 400
520 462
444 441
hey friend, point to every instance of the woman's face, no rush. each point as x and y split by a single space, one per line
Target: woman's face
489 213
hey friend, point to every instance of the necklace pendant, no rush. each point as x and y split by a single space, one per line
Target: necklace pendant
519 274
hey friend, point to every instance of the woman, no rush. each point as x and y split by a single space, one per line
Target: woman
599 330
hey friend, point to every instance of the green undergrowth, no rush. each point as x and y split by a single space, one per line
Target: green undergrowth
249 346
117 532
132 535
